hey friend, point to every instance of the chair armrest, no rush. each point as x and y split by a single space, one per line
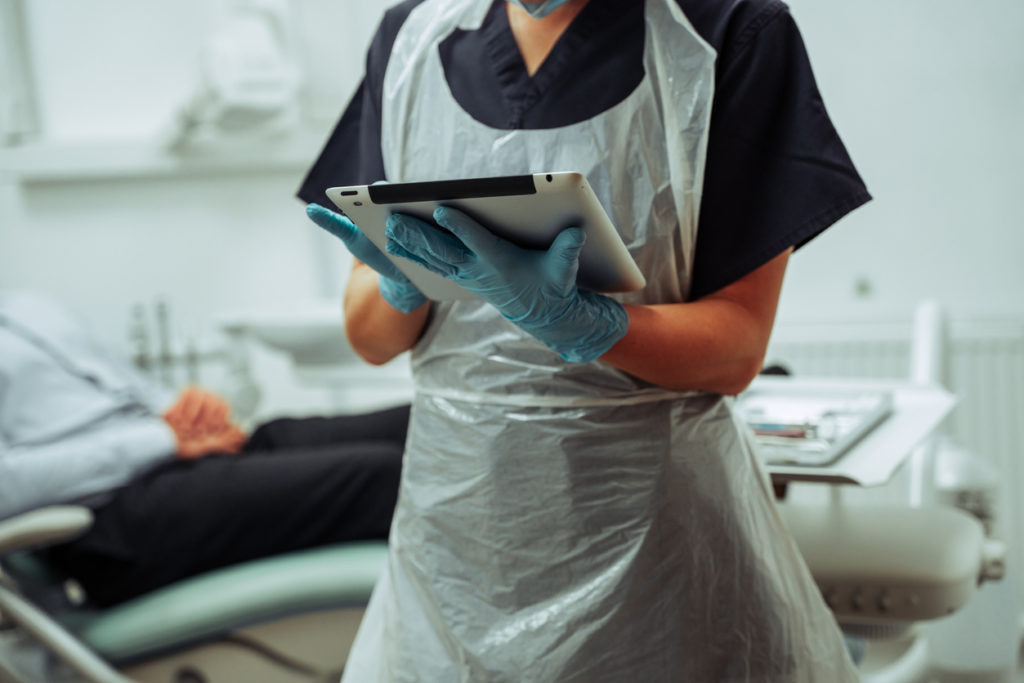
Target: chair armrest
225 600
45 526
890 563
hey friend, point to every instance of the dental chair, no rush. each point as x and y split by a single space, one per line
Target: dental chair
920 584
899 580
282 619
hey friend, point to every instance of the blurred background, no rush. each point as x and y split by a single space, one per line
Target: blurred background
149 155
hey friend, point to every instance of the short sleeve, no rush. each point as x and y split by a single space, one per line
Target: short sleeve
352 153
777 173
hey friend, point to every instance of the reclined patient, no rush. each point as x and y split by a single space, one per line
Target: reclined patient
175 486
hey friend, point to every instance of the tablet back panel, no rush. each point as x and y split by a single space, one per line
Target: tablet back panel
528 210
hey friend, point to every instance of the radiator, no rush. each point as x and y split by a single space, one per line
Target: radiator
982 362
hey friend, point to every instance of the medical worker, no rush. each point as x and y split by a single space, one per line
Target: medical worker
578 500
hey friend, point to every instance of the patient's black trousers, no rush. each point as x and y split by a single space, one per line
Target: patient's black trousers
299 483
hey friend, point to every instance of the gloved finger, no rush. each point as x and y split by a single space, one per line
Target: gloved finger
357 243
476 237
444 269
402 297
563 258
334 223
347 231
426 241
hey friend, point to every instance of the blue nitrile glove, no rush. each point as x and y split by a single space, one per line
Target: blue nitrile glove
393 284
535 289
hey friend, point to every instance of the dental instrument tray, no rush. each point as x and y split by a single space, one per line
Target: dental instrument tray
810 428
527 210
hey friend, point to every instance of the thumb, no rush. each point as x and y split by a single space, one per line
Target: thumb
563 259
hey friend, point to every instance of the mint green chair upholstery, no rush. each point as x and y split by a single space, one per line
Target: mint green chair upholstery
291 617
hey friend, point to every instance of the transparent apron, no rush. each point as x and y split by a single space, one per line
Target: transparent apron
561 522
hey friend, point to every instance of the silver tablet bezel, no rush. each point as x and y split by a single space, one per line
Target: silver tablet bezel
528 210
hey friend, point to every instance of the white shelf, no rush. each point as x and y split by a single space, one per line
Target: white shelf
117 160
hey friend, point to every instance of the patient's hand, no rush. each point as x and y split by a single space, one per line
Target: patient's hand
202 424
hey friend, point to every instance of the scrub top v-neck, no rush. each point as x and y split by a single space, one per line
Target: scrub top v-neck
584 74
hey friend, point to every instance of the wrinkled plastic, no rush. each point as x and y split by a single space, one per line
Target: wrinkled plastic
535 289
569 522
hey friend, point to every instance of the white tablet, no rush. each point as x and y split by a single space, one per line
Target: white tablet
527 210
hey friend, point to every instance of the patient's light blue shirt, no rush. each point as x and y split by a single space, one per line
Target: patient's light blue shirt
76 422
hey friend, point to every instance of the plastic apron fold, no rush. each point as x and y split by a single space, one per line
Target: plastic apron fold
562 522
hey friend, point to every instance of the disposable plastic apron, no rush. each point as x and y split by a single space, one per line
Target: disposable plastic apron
561 522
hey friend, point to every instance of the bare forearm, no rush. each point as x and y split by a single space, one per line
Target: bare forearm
714 344
377 331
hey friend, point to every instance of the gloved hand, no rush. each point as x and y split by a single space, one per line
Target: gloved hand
393 284
535 289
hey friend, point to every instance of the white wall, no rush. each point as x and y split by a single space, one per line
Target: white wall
929 97
115 69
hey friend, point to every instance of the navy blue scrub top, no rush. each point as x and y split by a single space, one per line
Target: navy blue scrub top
777 173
